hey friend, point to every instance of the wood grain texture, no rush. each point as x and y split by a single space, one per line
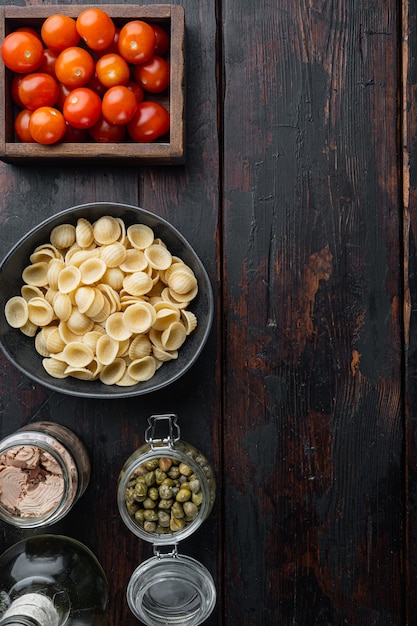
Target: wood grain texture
188 197
312 297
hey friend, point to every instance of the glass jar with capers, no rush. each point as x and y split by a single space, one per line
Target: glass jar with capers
166 490
166 487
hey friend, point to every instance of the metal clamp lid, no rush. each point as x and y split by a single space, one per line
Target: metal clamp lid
151 435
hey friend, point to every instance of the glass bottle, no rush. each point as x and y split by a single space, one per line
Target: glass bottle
44 470
51 580
169 588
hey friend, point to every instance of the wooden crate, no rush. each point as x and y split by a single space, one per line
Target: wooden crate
168 151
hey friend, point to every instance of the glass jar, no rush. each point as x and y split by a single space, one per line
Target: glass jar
51 580
44 470
166 490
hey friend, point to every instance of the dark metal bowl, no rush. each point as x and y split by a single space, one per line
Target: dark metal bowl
20 349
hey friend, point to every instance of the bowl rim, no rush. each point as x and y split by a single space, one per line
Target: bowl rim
135 390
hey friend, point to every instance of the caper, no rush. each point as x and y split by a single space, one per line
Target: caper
150 478
176 523
162 530
165 464
190 510
185 469
129 496
139 471
152 464
183 495
140 515
197 498
174 472
177 510
159 476
140 489
132 507
163 518
165 492
153 493
165 504
195 485
150 527
150 515
148 503
168 481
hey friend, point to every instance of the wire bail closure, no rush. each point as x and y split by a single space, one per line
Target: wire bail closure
151 436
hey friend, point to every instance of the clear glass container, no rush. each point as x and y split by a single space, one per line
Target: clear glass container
166 490
51 580
44 470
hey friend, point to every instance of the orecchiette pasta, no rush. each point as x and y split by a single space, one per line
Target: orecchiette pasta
105 302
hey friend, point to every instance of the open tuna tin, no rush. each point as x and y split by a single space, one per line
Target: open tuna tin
166 490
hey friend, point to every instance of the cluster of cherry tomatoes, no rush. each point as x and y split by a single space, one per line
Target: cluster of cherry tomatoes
84 78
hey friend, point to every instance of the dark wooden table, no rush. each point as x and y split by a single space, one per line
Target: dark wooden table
299 194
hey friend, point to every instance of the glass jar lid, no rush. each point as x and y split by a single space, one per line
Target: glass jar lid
171 589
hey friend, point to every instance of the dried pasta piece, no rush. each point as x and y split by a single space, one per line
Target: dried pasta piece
92 270
62 306
113 372
63 236
173 337
30 291
36 274
54 342
40 312
84 234
16 311
113 276
114 254
189 320
135 261
82 373
142 369
54 268
106 349
106 230
69 278
139 347
139 317
140 236
158 256
116 328
29 329
164 355
77 354
79 323
166 314
55 367
138 283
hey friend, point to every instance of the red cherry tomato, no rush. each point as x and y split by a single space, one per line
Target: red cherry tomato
37 89
104 132
21 126
63 93
113 47
16 80
137 90
28 29
59 32
96 85
162 40
82 108
136 42
47 125
119 105
112 70
22 52
49 60
96 27
153 76
150 122
74 67
74 135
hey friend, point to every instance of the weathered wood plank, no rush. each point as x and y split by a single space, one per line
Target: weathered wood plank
312 292
188 197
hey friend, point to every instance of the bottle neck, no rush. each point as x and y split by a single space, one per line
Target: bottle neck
31 609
